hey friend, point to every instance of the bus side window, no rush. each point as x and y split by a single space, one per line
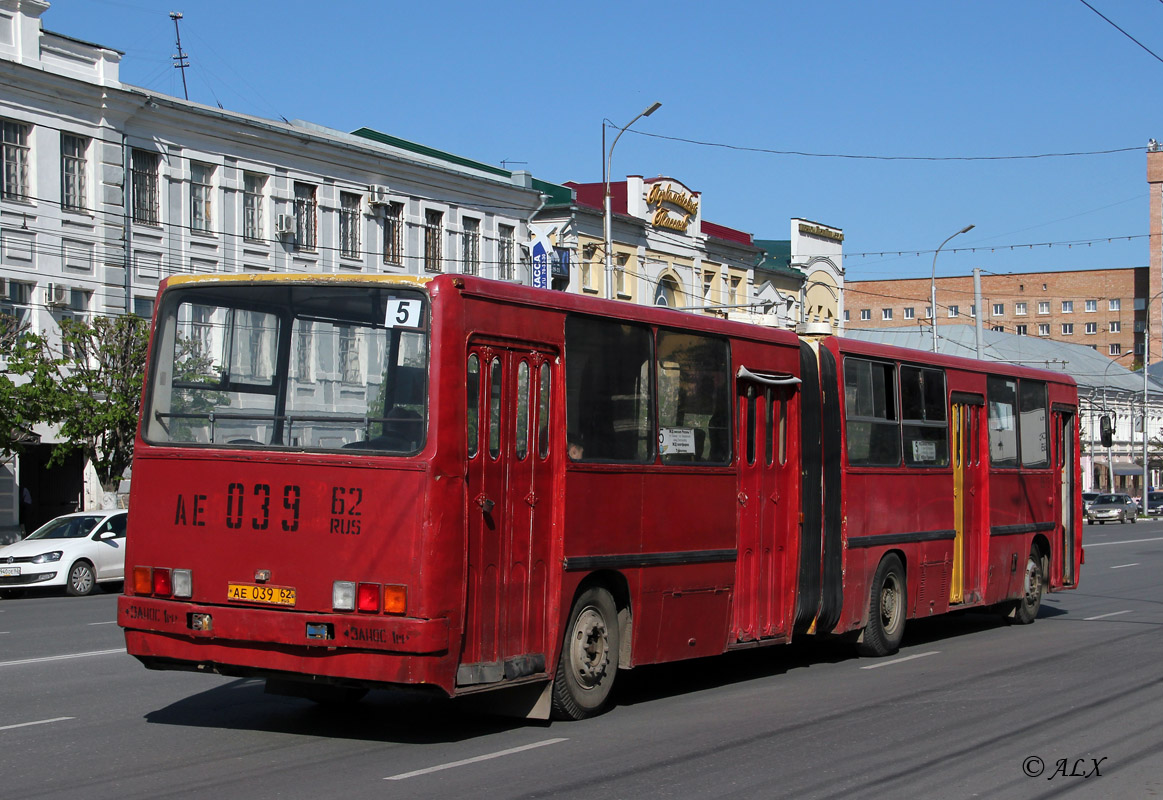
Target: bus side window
543 413
522 443
694 399
473 387
495 409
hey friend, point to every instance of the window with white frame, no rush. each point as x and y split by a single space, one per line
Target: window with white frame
17 304
910 313
1091 306
1067 329
1020 330
847 315
1115 349
708 287
349 354
1043 328
394 234
253 189
865 314
973 311
1020 309
15 155
620 287
143 169
350 205
999 309
74 189
736 298
1067 306
928 312
954 311
1114 304
433 231
886 314
1092 327
998 328
201 192
470 249
306 215
506 253
1043 306
1115 326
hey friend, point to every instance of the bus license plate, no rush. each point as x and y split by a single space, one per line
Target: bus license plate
253 593
9 572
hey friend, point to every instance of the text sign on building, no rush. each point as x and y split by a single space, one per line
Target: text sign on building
540 255
671 208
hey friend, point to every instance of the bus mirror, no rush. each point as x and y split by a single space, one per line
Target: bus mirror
1104 430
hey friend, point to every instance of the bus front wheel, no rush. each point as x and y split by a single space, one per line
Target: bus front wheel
887 609
589 656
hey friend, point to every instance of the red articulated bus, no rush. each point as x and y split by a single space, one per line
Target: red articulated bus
343 483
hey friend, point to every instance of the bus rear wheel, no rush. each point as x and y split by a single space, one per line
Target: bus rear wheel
589 656
887 609
1033 585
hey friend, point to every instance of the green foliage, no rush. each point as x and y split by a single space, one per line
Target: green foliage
89 384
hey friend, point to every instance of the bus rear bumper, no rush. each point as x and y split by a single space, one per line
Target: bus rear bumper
262 626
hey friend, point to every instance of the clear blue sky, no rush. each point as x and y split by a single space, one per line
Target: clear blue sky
533 82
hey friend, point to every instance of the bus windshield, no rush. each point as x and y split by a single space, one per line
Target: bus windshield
290 366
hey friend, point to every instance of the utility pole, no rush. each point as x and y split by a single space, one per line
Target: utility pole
181 61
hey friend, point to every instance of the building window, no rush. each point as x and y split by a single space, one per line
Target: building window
847 315
886 314
1116 326
1020 309
1115 349
1138 348
73 156
15 155
910 313
1140 325
349 208
1043 306
349 354
144 168
394 234
506 236
708 287
1091 306
954 311
470 246
1067 329
865 314
306 213
998 328
303 350
433 227
1020 330
143 307
1043 328
1092 327
999 309
735 298
622 260
1114 305
1067 306
201 193
252 206
973 312
928 312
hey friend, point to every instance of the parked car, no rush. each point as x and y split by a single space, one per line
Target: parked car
1088 498
76 551
1154 504
1112 507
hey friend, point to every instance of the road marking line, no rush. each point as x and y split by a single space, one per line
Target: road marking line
38 722
1121 566
1089 545
1104 616
474 760
60 658
901 660
110 622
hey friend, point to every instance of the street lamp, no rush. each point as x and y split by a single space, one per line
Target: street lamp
933 284
606 179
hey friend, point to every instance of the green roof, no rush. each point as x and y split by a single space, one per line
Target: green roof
777 258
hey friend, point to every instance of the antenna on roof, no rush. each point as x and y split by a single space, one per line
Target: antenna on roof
181 61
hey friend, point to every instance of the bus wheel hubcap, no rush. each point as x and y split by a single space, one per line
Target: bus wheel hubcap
589 648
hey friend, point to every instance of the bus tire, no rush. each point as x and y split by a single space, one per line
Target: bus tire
1033 585
82 580
589 656
887 609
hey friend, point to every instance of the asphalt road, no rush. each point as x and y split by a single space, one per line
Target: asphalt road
971 707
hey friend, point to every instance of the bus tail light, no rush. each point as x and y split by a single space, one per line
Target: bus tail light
163 586
395 599
343 596
367 598
183 583
142 581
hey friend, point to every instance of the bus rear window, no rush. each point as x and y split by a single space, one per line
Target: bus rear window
290 366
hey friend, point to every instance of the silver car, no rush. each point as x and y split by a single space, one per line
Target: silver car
1112 507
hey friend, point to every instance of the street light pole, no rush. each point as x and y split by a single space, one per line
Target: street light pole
1146 363
606 172
933 284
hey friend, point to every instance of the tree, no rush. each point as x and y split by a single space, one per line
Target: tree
17 411
89 384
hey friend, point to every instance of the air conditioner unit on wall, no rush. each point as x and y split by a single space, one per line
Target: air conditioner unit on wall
285 224
56 295
377 195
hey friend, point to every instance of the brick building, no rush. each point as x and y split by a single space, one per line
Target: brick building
1155 205
1104 309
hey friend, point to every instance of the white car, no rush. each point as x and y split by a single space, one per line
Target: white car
76 551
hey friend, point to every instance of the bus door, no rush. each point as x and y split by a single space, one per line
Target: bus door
768 505
1065 458
968 488
509 513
